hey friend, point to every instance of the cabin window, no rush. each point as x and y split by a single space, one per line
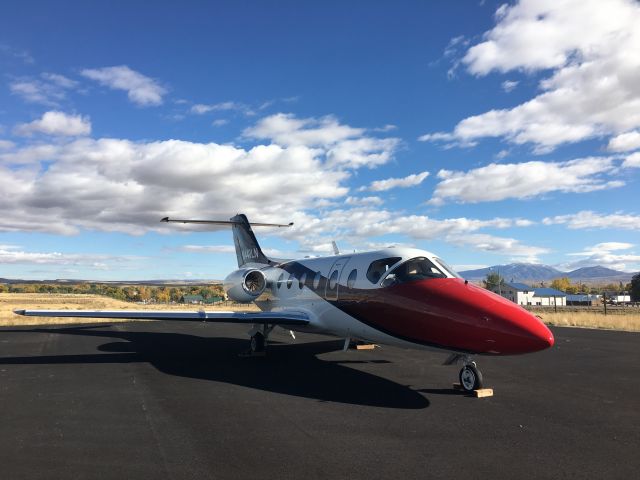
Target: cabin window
333 280
316 280
303 279
419 268
280 280
290 280
351 281
378 268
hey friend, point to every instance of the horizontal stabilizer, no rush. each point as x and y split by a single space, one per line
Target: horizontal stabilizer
225 222
272 318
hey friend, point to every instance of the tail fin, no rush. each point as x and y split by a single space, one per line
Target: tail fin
247 248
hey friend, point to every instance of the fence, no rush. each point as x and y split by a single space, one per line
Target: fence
609 309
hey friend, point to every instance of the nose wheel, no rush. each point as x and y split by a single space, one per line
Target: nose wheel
470 378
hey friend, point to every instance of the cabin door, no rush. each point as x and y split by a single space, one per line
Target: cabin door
334 276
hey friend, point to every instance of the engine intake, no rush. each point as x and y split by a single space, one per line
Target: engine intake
245 285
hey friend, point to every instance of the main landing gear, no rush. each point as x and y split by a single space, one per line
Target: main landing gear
258 344
470 377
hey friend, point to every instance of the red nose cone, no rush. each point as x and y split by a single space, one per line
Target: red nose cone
450 313
525 332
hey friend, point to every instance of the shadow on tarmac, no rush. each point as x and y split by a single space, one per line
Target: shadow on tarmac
291 369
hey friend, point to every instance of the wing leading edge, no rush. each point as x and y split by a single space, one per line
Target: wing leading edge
272 318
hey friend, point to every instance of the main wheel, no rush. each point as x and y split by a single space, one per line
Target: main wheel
470 378
257 343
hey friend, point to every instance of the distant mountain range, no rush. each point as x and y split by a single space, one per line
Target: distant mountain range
531 272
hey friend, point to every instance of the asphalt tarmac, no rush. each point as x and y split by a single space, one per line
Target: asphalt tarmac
174 400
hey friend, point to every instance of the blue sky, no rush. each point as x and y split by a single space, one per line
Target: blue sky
487 133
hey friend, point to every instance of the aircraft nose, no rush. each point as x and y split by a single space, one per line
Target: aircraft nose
450 313
519 331
508 329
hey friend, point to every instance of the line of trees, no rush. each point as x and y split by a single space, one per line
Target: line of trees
127 293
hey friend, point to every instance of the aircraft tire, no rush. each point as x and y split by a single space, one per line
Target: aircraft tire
470 378
257 343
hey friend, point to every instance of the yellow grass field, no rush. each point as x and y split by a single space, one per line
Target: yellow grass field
620 321
50 301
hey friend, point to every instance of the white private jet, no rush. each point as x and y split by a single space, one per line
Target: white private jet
396 296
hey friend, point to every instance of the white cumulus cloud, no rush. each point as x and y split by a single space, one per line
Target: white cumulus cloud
625 142
592 50
356 201
404 182
56 123
287 129
509 85
119 185
632 161
344 145
496 182
16 255
111 184
605 254
201 108
358 226
589 219
141 89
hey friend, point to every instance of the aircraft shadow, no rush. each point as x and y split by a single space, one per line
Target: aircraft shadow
289 369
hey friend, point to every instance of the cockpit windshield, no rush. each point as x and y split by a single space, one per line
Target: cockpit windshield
447 268
419 268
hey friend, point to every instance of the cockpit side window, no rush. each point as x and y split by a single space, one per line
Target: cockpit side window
380 267
419 268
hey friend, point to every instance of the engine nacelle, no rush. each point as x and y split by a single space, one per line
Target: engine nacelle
245 285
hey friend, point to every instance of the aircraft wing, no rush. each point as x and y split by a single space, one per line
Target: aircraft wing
272 318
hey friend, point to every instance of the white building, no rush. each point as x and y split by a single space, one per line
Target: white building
619 298
516 292
549 297
523 294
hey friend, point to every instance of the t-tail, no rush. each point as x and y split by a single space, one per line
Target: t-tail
247 247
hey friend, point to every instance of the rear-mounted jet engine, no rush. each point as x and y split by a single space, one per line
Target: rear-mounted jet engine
245 285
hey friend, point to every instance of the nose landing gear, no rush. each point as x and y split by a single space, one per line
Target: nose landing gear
470 377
